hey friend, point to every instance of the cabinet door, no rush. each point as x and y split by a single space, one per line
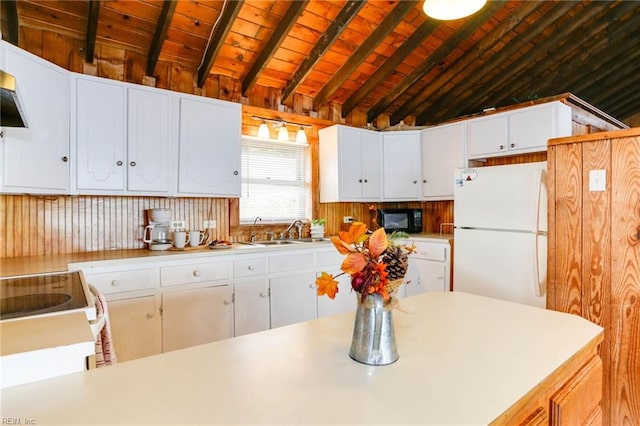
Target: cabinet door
293 299
426 275
488 136
401 166
442 153
100 134
209 147
345 300
350 164
371 155
251 306
195 317
148 141
531 128
36 159
136 328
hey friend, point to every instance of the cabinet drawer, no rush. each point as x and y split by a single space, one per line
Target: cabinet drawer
577 401
329 259
193 273
291 262
249 267
431 251
122 281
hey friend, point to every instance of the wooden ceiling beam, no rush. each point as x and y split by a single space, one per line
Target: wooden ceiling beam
364 50
230 11
92 30
573 76
10 10
459 66
348 12
438 111
539 72
160 34
271 46
623 104
617 79
390 65
434 60
520 66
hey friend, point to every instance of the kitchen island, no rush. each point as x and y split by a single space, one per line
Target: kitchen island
464 359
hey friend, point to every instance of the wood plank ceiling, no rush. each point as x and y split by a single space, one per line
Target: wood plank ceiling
374 57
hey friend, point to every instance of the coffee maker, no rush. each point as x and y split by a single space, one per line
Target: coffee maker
158 233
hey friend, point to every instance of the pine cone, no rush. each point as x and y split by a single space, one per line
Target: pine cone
397 261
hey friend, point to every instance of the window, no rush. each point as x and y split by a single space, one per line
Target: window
276 181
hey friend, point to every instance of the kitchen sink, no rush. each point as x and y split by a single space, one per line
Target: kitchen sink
286 242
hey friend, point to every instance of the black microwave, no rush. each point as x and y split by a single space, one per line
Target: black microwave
405 220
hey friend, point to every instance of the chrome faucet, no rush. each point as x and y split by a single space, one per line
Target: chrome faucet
252 236
298 224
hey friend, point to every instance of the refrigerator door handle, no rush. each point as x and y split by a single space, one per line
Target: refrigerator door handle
539 286
540 185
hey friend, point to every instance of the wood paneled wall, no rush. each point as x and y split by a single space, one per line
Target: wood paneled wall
41 225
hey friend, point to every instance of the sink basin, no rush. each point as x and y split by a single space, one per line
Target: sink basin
286 242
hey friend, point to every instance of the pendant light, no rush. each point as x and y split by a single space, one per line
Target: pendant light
447 10
283 133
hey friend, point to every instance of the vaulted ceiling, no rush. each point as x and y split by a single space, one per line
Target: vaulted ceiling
377 57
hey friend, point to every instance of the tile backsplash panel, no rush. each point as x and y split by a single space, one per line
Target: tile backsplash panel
40 225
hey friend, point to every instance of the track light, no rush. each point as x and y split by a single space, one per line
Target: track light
281 127
263 131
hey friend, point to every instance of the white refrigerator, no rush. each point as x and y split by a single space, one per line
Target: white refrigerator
500 234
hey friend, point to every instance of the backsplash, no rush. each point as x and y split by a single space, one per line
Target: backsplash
40 225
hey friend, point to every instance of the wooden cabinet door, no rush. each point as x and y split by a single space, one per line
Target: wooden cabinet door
36 159
401 166
194 317
293 299
442 153
99 122
149 159
251 306
136 327
209 162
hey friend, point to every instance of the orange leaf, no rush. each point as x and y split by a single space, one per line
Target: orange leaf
355 262
341 246
355 232
378 243
327 285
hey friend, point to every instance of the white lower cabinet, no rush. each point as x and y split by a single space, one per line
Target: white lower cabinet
197 316
293 299
329 261
429 267
251 306
136 327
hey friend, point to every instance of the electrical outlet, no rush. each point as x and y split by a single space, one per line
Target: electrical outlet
176 224
347 219
210 223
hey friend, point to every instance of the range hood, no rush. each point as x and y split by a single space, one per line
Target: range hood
11 112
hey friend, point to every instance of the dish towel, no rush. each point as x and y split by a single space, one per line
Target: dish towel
105 355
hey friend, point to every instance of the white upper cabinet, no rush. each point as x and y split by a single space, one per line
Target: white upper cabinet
99 118
442 153
150 158
210 133
350 163
123 137
36 159
401 166
518 131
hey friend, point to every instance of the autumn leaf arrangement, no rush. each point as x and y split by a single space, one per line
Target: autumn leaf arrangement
376 262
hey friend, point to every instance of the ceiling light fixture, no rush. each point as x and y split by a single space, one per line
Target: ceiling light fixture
281 126
446 10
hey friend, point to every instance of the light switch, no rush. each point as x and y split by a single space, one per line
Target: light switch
597 180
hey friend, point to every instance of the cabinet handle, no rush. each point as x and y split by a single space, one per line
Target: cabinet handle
501 146
359 180
227 302
415 181
132 164
149 316
65 159
366 181
513 145
115 283
424 181
312 285
196 273
250 267
263 294
235 172
119 163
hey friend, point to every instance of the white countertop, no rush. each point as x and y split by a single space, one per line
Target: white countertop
463 360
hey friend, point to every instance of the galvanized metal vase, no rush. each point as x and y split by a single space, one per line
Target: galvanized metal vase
374 340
